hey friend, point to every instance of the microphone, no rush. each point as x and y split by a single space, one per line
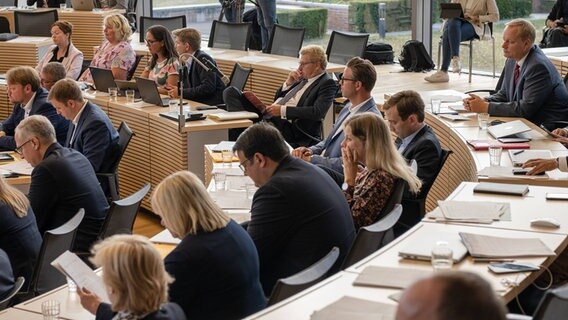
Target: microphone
211 66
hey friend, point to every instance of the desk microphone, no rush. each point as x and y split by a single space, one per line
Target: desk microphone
211 66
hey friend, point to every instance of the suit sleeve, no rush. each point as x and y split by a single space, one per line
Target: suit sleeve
554 12
318 148
96 140
333 163
104 311
9 127
428 160
326 93
205 87
536 90
42 195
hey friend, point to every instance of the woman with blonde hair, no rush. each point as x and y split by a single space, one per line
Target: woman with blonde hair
115 53
216 264
63 50
368 143
135 280
19 235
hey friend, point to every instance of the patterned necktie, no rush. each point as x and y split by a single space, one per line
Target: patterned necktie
516 76
292 92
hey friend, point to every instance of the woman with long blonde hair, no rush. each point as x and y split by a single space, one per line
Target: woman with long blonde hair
368 144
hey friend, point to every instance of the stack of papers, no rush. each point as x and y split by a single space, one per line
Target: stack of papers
471 212
355 309
482 246
238 115
21 167
519 157
507 172
386 277
165 237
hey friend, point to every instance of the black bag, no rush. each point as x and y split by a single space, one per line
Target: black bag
415 58
255 39
379 53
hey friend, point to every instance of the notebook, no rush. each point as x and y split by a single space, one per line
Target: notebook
519 157
149 92
508 129
238 115
83 5
451 10
484 246
501 188
420 248
484 145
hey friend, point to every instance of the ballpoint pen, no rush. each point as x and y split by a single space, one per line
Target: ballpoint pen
518 152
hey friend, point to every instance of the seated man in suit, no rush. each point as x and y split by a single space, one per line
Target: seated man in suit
301 103
404 112
29 98
298 213
62 182
91 131
532 87
199 85
441 297
359 77
51 73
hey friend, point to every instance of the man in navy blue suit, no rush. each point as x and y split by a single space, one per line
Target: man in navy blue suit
358 81
298 213
90 131
29 98
62 182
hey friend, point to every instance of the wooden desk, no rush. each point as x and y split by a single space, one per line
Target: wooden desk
70 304
13 313
22 51
559 57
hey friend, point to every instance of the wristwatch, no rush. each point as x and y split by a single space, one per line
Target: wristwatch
344 186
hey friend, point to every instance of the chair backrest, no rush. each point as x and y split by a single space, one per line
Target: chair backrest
4 25
239 76
553 304
286 41
288 287
394 199
170 23
124 137
343 46
55 242
134 66
228 35
34 23
370 238
17 286
8 3
121 215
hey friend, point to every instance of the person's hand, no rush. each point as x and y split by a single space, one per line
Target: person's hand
303 153
293 77
2 134
172 91
475 104
350 165
560 132
563 140
474 19
274 110
89 300
540 165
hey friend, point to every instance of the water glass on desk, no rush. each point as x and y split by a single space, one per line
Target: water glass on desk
63 6
483 120
227 157
129 95
113 93
442 256
50 310
436 104
220 180
495 151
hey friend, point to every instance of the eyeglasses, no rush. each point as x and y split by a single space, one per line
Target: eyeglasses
151 42
301 64
19 149
346 79
242 165
45 81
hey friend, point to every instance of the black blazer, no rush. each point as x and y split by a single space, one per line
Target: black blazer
95 138
62 183
206 87
21 240
308 113
40 106
297 217
216 274
6 276
168 311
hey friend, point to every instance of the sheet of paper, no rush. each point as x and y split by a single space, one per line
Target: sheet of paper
386 277
21 167
165 237
522 156
355 309
483 246
472 210
454 117
70 265
437 215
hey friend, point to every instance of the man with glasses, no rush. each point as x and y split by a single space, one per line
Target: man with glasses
298 214
62 182
300 104
29 98
51 73
358 81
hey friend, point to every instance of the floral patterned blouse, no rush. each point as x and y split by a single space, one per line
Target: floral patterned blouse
370 194
162 70
110 56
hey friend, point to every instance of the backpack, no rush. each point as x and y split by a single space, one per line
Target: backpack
415 58
379 53
255 38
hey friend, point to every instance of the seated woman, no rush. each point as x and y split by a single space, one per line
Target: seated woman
368 142
135 280
476 13
63 50
163 66
19 235
216 264
115 53
557 24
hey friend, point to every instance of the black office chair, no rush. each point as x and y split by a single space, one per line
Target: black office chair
122 213
170 23
286 41
552 306
4 25
34 23
371 238
343 46
5 303
8 3
227 35
239 76
132 70
111 177
306 278
497 86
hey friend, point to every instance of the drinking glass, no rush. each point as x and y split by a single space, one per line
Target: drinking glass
442 256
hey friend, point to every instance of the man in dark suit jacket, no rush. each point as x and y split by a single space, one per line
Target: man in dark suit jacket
63 181
91 131
358 81
532 87
300 104
298 213
200 85
29 98
404 112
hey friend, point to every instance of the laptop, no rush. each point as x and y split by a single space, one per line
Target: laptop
451 10
83 5
102 78
124 85
421 247
507 129
149 92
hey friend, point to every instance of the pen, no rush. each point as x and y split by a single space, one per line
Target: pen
492 260
518 152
